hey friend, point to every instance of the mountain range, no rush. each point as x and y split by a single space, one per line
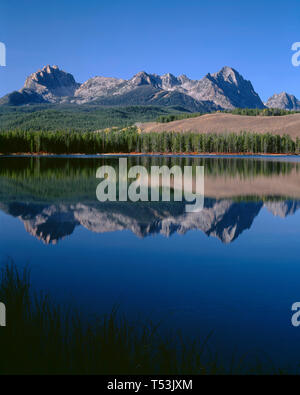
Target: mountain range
226 89
224 219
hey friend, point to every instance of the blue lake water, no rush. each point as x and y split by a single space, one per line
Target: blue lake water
233 268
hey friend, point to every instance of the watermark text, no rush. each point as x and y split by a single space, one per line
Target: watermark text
164 183
2 54
296 56
2 314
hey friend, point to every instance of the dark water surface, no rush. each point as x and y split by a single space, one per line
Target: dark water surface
233 268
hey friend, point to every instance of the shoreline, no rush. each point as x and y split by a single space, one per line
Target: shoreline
163 154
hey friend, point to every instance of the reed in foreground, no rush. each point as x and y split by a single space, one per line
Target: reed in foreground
43 338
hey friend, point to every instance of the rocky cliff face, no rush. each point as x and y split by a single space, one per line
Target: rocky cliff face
98 87
48 85
51 83
226 89
284 101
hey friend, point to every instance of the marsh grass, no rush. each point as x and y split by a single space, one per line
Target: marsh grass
44 338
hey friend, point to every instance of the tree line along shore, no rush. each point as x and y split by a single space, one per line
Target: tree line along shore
132 140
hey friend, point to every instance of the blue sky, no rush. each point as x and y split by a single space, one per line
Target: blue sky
121 37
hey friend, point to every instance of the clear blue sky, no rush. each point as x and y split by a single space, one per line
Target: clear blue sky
121 37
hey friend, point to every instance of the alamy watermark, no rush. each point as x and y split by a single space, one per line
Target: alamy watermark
296 56
2 54
2 314
160 184
296 315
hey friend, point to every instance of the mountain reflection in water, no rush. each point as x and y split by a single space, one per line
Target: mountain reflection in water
154 259
53 196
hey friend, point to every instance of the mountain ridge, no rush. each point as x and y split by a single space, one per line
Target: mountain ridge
224 90
224 219
284 101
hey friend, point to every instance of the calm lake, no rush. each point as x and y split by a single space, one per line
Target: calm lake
233 268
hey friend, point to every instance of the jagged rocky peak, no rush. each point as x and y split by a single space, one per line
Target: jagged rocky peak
51 81
166 82
284 101
143 78
228 89
98 87
100 80
169 81
183 78
228 74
